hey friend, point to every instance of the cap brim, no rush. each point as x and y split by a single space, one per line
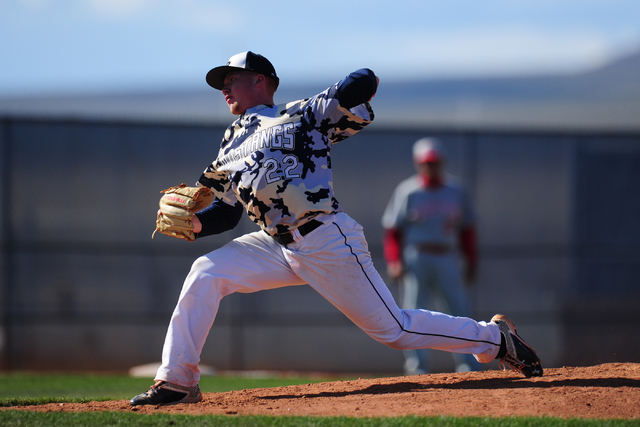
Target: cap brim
215 77
430 157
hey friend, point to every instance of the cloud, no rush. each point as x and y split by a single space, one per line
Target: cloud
495 51
119 8
166 41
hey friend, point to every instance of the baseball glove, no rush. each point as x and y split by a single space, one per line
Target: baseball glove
177 206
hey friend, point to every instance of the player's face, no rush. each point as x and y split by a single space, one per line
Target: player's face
431 169
239 91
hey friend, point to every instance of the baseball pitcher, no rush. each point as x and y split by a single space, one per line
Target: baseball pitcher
274 165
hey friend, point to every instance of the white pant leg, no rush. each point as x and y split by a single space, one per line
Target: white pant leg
334 259
248 264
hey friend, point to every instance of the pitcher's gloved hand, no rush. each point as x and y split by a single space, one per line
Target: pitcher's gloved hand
177 206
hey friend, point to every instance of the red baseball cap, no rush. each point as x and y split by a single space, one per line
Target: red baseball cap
428 150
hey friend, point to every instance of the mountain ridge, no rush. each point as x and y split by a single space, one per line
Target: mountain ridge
604 98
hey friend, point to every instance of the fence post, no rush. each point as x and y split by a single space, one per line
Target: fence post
8 246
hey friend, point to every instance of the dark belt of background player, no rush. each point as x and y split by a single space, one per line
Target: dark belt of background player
433 248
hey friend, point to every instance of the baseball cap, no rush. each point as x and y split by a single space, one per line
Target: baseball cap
428 150
242 61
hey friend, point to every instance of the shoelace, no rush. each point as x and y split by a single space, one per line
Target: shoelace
512 363
154 388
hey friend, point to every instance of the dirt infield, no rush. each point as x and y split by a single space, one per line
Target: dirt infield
602 391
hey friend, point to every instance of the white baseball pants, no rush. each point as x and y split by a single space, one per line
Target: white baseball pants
334 260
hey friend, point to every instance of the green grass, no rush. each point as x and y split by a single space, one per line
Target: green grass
34 389
18 418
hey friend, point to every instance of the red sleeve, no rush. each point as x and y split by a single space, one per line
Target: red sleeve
392 245
469 245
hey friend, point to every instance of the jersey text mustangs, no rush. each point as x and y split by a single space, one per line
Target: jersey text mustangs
276 159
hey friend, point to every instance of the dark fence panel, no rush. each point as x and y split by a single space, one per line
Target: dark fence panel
85 287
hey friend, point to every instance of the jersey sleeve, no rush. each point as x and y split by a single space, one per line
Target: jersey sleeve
218 181
468 212
219 217
392 245
326 113
468 243
357 88
395 212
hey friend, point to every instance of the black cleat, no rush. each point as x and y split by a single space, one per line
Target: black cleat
164 393
520 356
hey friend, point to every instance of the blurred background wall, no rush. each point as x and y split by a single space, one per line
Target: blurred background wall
84 287
103 103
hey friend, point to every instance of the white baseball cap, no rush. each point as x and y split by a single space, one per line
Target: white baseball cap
428 150
242 61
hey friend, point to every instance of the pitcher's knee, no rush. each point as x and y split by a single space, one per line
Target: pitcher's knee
202 264
399 340
202 274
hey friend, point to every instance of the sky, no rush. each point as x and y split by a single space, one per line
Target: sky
102 46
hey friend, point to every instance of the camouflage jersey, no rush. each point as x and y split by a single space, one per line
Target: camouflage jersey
276 160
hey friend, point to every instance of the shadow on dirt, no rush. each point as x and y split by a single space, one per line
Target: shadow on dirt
488 384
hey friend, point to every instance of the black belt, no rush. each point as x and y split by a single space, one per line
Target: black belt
434 248
285 238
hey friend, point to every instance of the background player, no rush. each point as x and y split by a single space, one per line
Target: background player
274 164
427 220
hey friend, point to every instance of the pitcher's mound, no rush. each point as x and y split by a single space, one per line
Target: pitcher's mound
603 391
